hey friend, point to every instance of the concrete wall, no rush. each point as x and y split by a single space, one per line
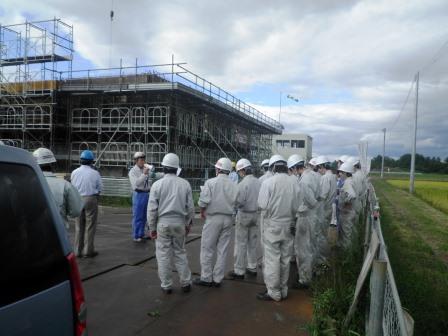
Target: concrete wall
292 143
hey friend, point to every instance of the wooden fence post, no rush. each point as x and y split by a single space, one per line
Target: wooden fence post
377 287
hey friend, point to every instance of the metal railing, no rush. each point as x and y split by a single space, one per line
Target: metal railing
161 76
121 187
385 315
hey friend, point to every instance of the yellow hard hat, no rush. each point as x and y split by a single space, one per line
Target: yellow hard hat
233 164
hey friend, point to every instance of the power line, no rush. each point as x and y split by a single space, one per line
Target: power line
437 56
402 107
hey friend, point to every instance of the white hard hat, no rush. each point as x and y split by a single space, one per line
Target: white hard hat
343 158
313 161
353 160
265 162
294 160
321 160
276 158
1 142
224 164
242 163
170 160
139 155
44 156
347 167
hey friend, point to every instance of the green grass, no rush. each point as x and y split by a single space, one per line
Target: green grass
417 240
433 192
195 197
418 176
119 202
333 293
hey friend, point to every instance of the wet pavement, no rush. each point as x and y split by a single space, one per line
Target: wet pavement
123 293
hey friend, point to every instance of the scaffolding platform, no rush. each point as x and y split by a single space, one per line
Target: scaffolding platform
33 60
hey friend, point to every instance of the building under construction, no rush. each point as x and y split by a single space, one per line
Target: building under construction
117 111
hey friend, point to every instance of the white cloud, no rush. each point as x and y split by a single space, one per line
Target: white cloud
367 50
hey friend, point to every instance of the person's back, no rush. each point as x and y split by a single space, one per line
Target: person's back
217 203
265 176
248 190
328 189
86 180
88 183
170 212
174 198
279 197
219 195
65 195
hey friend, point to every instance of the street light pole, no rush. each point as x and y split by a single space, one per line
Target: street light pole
384 153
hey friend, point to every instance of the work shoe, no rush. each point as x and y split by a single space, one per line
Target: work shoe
232 275
186 289
301 285
137 240
264 296
216 284
199 282
251 272
167 291
90 255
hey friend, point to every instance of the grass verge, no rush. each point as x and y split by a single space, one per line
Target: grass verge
417 238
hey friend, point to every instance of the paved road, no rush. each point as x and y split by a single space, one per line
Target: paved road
123 293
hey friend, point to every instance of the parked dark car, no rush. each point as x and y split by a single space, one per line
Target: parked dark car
40 286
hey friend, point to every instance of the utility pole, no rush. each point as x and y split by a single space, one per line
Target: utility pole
414 140
280 112
384 153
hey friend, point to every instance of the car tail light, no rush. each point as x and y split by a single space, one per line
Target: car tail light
78 297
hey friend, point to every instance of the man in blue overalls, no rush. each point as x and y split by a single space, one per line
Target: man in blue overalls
141 177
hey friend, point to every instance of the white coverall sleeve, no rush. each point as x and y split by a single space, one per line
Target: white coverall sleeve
74 202
241 197
263 196
206 195
153 207
324 188
189 205
348 193
308 198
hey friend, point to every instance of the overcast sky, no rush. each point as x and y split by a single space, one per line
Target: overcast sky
350 63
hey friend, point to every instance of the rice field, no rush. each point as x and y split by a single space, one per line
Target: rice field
432 192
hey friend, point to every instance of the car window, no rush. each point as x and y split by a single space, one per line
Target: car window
31 256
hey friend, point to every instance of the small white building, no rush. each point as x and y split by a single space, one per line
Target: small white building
293 143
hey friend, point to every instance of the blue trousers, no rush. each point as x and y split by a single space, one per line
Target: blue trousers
139 207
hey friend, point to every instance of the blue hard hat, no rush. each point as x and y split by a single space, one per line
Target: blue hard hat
87 155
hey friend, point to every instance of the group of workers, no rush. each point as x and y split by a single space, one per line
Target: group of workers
292 207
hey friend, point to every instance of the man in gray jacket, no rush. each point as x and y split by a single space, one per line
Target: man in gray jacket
65 195
246 228
170 216
217 203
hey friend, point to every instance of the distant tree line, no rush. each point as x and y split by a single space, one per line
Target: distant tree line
424 164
